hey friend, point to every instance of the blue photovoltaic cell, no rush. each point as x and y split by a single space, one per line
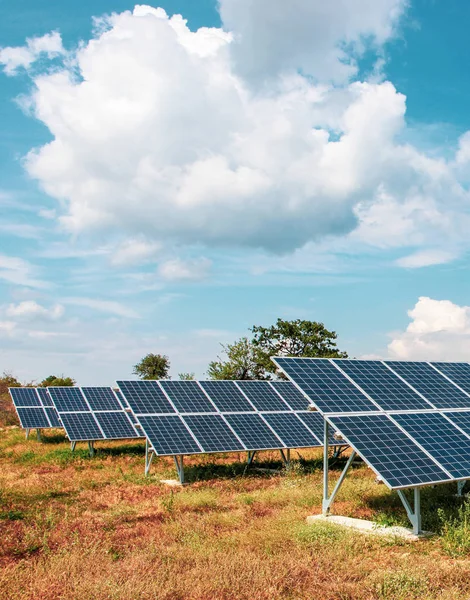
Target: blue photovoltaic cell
443 441
262 396
326 387
81 426
461 419
68 399
226 396
431 384
24 396
458 372
32 418
126 407
316 424
253 432
381 443
187 396
212 433
168 435
383 386
294 398
44 396
145 397
53 416
291 430
101 398
115 425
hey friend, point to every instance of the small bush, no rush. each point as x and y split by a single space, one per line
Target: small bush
455 531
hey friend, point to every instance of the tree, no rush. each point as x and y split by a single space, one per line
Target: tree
153 366
7 380
186 376
242 362
294 338
53 381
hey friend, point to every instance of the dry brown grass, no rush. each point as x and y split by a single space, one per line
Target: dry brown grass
74 527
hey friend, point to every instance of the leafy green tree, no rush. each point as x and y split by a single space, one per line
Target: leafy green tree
53 381
186 376
153 366
241 361
7 380
293 338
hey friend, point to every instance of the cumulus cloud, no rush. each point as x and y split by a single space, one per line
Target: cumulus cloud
31 310
439 330
180 270
134 252
14 57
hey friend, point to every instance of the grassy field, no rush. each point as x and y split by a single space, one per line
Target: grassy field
75 527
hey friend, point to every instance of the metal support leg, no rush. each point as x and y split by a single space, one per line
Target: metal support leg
326 433
251 456
149 453
179 468
72 446
91 448
38 435
460 486
413 515
328 500
27 434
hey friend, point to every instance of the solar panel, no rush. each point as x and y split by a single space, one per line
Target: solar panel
388 451
44 396
168 435
315 422
325 385
52 416
32 417
458 372
187 396
81 426
145 397
382 385
24 397
68 399
116 425
431 384
226 396
262 396
253 432
213 433
291 430
101 398
461 419
442 440
294 398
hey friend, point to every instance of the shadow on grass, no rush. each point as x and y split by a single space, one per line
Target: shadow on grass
54 438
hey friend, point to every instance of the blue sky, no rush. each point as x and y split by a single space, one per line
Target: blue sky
166 185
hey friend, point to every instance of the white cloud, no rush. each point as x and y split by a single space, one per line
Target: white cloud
134 252
426 258
13 58
180 270
7 327
439 330
107 306
31 310
19 272
320 38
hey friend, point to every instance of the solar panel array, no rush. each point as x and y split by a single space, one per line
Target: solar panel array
35 408
410 421
92 413
191 417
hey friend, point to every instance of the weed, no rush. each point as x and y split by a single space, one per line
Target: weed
168 503
455 531
12 515
402 586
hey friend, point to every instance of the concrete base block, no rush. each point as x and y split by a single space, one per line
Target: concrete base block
369 527
172 482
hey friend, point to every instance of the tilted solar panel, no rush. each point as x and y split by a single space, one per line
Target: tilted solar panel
382 385
254 432
291 430
52 416
36 406
315 422
101 398
116 425
328 389
33 417
188 397
81 426
226 396
145 397
442 440
458 372
294 398
431 384
388 451
68 399
262 396
213 433
169 435
24 397
461 419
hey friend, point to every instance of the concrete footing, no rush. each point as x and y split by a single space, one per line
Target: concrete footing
369 527
172 482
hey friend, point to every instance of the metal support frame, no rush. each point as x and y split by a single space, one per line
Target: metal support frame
149 454
38 435
413 515
27 433
250 457
460 486
91 448
72 446
179 467
285 455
